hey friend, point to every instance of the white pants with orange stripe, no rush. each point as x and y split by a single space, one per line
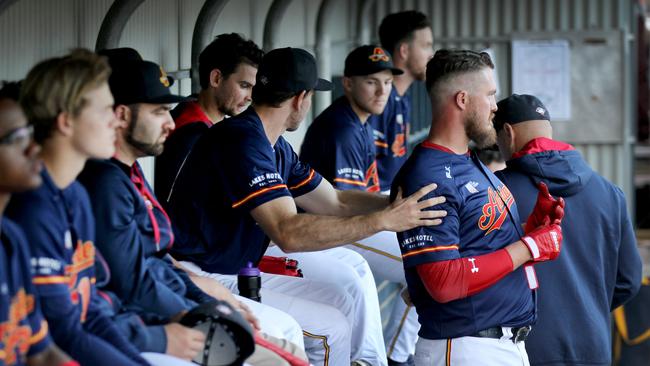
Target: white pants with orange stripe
382 253
348 271
323 311
471 351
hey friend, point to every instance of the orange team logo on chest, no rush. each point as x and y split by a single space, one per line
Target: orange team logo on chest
495 211
15 337
80 288
372 178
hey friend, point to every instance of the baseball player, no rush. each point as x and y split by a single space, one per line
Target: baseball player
600 263
134 232
408 38
69 103
339 145
227 68
242 177
25 334
474 298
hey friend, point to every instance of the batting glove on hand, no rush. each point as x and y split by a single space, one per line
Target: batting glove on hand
544 243
546 207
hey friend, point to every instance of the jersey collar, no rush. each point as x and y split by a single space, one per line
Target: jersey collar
431 145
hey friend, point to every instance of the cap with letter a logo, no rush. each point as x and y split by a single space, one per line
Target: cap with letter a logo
367 60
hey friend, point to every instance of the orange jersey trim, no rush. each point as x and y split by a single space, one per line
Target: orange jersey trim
255 194
349 181
311 175
35 338
381 144
427 250
48 280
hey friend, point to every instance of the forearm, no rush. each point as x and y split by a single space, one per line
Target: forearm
306 232
354 202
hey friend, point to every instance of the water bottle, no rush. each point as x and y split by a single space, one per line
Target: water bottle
249 282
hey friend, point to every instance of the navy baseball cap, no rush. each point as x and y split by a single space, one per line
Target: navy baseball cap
369 59
519 108
137 81
289 70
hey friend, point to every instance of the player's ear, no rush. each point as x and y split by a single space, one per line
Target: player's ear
461 98
296 101
347 83
123 114
64 124
215 77
510 136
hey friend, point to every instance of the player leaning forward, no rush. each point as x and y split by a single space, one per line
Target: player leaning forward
470 278
246 181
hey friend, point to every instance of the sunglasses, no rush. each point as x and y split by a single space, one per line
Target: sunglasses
21 136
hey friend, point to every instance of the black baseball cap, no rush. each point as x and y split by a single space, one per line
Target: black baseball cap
519 108
137 81
369 59
289 70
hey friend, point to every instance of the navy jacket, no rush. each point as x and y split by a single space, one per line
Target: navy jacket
142 277
60 228
599 267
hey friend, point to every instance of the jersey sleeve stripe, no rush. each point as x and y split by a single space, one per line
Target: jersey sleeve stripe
48 280
381 144
255 194
427 250
311 175
42 332
350 181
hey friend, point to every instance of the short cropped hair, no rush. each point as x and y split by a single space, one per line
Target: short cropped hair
58 85
225 53
446 64
399 27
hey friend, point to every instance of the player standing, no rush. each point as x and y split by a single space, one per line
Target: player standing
473 297
600 264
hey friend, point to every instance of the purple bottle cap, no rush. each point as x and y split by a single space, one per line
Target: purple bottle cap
249 270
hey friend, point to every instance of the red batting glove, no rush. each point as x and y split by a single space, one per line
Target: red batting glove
544 243
545 207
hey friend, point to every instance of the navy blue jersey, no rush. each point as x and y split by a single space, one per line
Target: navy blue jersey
341 148
390 130
481 218
60 229
232 169
191 122
23 330
131 227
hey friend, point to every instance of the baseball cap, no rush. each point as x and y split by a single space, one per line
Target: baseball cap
519 108
139 81
369 59
289 70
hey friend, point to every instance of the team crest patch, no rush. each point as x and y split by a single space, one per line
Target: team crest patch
495 211
378 54
163 78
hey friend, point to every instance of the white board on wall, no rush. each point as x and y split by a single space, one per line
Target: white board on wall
543 68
